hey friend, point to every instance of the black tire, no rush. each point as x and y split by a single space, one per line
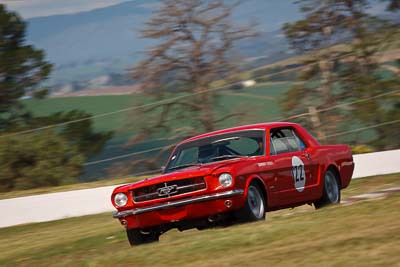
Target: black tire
137 237
254 207
331 192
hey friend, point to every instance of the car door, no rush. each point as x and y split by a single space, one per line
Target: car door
292 167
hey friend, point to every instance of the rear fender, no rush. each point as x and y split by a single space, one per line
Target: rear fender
342 162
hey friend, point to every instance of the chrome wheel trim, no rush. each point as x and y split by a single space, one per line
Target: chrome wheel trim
255 202
332 188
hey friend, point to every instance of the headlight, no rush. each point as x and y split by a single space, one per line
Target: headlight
225 179
120 199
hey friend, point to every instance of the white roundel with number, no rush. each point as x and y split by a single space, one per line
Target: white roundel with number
298 173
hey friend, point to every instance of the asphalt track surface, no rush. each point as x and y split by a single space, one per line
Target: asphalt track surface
372 195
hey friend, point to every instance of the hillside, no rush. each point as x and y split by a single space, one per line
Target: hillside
95 48
106 41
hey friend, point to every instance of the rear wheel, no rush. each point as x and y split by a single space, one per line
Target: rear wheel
331 192
137 237
254 207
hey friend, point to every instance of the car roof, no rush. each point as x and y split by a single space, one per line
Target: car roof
262 126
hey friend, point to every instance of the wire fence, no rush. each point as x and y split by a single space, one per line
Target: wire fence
167 100
164 101
279 119
169 146
331 135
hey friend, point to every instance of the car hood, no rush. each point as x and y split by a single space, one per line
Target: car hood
189 172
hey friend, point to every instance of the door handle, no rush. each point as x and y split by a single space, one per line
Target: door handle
307 155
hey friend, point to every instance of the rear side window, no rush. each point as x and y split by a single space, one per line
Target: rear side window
284 140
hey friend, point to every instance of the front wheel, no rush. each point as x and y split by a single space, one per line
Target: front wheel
137 237
331 191
254 207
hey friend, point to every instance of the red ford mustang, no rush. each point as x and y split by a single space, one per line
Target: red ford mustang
233 175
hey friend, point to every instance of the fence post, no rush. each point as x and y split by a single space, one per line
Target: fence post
316 122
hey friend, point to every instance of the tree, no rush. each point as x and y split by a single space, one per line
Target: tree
43 158
324 24
194 44
36 160
393 5
363 78
337 73
22 67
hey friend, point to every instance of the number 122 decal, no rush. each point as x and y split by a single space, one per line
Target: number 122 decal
298 173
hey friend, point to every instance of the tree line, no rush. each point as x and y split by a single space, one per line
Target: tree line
45 158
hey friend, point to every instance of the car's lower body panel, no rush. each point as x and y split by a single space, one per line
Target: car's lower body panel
186 209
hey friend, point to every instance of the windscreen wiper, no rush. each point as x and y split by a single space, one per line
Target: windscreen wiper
228 157
183 166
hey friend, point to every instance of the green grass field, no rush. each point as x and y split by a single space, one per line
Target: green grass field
361 234
91 104
267 107
259 103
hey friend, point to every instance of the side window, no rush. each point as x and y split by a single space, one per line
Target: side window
301 143
284 140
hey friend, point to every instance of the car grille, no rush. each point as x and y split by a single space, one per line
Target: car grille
168 189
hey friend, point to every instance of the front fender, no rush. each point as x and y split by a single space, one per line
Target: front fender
261 184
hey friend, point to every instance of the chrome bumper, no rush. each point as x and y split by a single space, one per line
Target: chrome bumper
178 203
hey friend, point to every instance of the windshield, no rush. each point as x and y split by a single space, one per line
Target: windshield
216 148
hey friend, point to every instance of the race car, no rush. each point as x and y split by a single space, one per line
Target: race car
234 175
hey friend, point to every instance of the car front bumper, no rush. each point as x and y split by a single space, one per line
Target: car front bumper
179 203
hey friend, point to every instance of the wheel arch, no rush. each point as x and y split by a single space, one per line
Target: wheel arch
335 170
260 183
